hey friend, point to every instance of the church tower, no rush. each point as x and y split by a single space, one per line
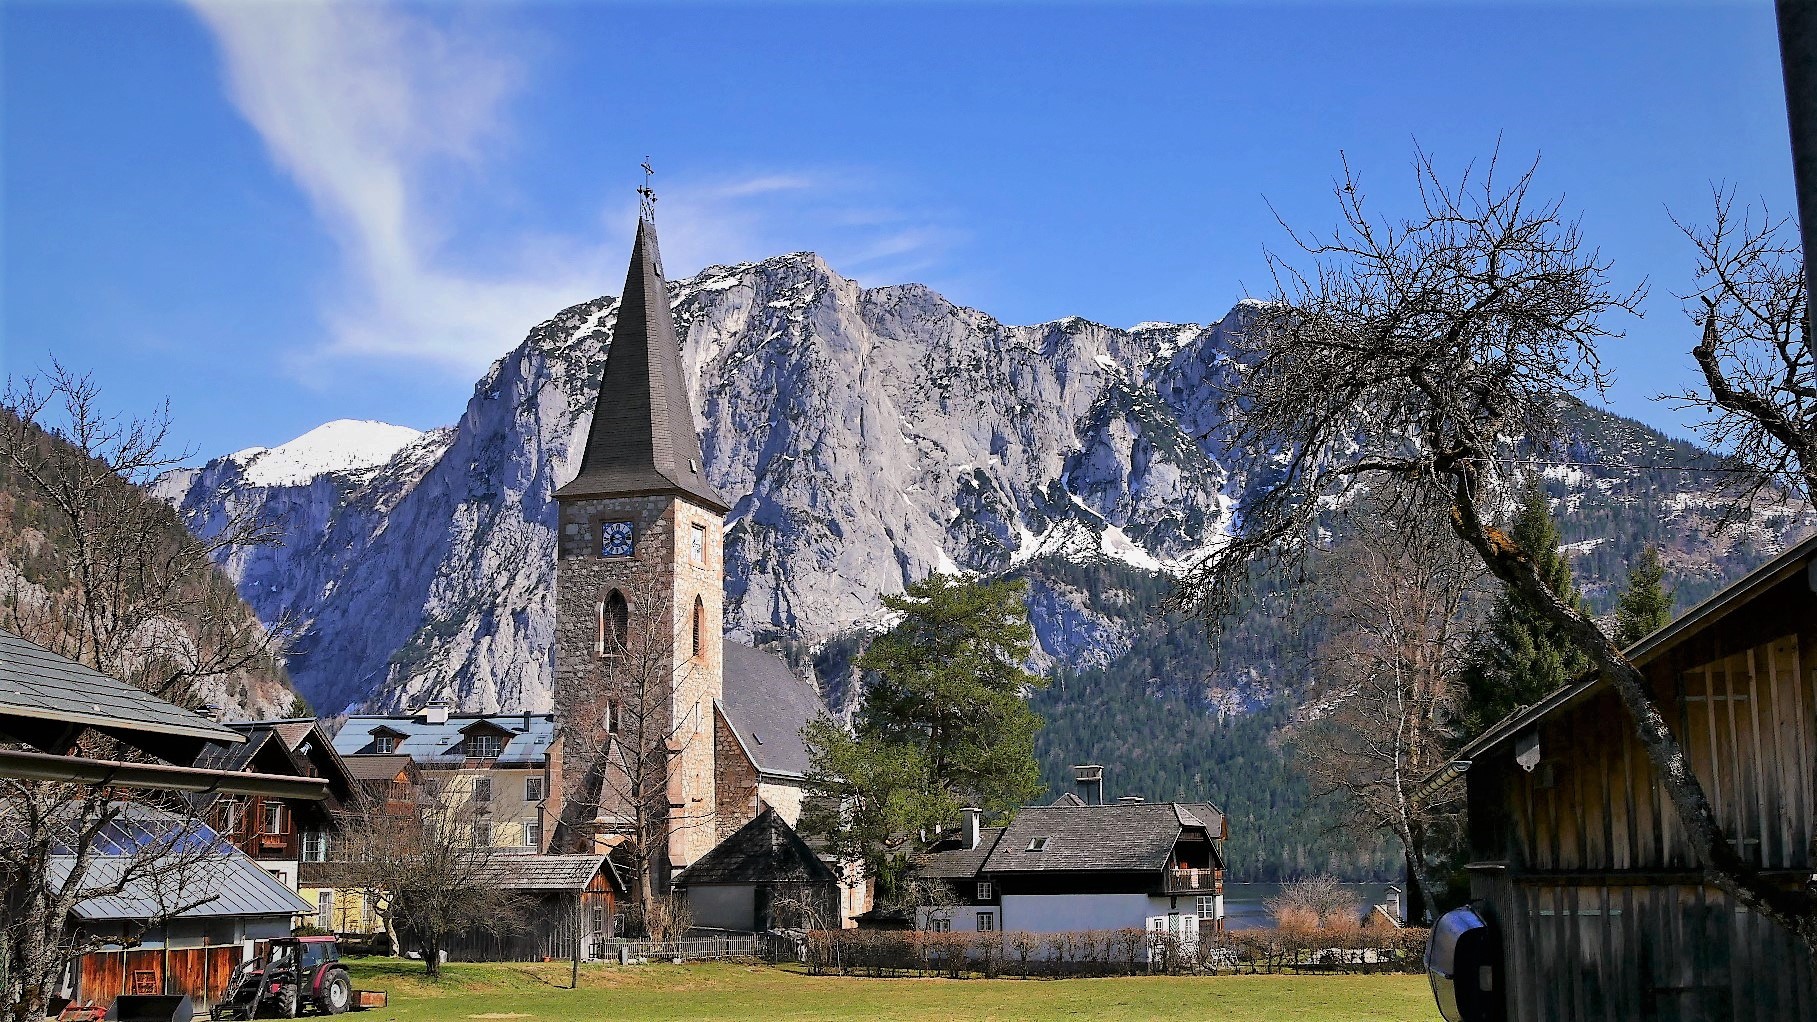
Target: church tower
640 547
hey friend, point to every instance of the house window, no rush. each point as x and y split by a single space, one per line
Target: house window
700 625
615 539
1038 845
384 743
697 544
938 925
485 747
987 922
324 910
482 789
614 623
273 818
533 789
984 890
315 846
533 833
230 815
1208 907
482 832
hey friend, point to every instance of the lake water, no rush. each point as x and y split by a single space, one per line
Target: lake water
1245 904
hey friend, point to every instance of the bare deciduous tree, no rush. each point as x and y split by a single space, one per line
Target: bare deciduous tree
1410 359
1760 406
1386 681
622 740
143 601
430 870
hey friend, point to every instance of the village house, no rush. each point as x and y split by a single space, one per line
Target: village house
499 763
278 832
1587 899
1084 864
229 902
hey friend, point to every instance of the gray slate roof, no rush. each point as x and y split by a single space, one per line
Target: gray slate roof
643 438
526 742
547 872
767 704
38 686
764 850
960 863
1137 836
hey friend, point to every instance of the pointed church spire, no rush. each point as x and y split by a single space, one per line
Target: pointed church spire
643 439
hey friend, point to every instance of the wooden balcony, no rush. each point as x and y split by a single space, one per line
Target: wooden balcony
1193 881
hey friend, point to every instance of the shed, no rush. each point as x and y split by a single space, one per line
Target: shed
1580 865
566 905
763 877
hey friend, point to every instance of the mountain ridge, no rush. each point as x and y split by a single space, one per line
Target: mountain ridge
865 436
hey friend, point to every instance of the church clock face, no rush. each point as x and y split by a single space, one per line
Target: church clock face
697 544
615 539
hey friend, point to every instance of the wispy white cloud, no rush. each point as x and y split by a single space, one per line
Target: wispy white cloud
387 117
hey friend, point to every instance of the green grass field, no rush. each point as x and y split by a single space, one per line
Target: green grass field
504 993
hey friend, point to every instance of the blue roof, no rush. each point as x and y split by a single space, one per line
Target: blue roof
527 736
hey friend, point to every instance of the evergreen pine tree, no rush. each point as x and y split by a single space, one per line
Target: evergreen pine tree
1520 658
1646 605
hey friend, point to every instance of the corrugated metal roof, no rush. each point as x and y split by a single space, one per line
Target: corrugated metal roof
149 863
40 685
767 704
526 740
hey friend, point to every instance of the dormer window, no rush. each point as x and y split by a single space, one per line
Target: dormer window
485 746
1038 845
384 743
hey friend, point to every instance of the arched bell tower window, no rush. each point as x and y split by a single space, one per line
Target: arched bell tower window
614 623
700 626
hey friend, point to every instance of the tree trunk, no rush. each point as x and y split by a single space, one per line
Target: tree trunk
432 958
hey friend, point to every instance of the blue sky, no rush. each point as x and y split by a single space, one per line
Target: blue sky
280 214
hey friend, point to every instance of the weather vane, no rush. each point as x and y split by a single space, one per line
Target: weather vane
646 196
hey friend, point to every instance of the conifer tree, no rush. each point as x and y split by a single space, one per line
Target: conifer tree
1520 656
945 724
1646 605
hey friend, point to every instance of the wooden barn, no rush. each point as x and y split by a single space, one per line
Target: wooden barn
566 904
1593 903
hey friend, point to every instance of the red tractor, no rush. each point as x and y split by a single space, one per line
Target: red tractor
295 973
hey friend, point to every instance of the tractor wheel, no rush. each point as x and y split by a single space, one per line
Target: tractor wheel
289 1001
337 993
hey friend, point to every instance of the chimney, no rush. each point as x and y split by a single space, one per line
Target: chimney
436 712
527 720
1088 779
1394 905
1130 800
972 815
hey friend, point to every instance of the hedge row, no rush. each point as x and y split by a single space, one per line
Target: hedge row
1125 952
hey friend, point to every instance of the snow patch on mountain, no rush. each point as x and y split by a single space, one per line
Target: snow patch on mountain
344 445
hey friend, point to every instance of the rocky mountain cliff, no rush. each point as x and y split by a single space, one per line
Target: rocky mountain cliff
867 437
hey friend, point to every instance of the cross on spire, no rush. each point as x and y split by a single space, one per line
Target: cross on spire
646 196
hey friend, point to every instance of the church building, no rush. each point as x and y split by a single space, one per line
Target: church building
640 587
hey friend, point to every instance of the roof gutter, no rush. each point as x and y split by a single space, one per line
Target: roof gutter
41 766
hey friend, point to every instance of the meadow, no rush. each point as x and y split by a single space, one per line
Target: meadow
470 992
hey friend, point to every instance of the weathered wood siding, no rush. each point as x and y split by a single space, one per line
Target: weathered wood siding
1586 866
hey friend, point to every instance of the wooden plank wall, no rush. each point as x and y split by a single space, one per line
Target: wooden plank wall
200 972
1605 915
